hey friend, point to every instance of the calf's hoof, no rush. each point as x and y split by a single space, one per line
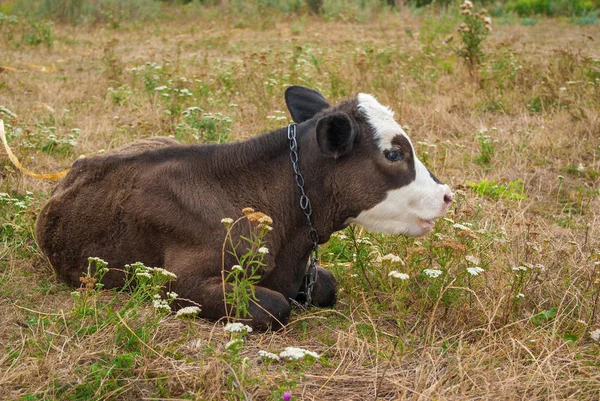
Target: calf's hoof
271 312
324 290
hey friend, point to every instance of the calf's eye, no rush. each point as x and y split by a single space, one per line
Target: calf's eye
394 155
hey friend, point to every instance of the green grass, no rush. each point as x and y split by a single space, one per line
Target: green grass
497 302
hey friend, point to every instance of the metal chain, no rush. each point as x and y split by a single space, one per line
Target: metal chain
311 276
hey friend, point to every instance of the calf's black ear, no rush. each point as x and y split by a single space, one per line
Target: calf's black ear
304 103
335 135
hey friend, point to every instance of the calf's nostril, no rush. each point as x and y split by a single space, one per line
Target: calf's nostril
448 198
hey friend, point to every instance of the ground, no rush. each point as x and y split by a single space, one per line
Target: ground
517 138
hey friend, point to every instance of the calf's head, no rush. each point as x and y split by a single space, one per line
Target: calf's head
376 171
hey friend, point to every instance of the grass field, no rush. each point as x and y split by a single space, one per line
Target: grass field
517 138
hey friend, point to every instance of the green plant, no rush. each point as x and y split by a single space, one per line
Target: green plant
512 190
487 149
37 32
29 31
473 31
199 125
120 95
248 253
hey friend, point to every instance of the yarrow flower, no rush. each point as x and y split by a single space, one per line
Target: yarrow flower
227 220
519 268
237 328
266 220
268 355
475 271
172 295
237 267
433 273
161 304
595 335
392 258
397 274
294 353
165 273
264 250
340 235
143 274
188 311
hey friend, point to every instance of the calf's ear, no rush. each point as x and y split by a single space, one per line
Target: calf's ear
304 103
335 135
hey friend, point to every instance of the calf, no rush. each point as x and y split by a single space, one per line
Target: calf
161 203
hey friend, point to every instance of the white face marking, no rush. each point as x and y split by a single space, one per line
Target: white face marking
410 209
381 120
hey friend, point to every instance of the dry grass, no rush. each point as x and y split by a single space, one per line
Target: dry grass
454 340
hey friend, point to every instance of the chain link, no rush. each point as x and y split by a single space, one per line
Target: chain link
311 276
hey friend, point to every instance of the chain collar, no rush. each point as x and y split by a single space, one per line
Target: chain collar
311 275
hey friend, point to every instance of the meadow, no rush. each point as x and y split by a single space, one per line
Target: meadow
499 302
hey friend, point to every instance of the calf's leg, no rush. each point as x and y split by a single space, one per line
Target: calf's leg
199 280
270 311
324 291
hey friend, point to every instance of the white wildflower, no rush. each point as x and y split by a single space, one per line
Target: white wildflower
519 268
297 353
475 271
227 220
165 272
237 267
268 355
234 342
172 295
76 294
263 250
472 259
188 311
266 220
161 304
595 335
392 258
580 167
160 88
340 235
143 274
449 220
397 274
237 328
433 273
520 295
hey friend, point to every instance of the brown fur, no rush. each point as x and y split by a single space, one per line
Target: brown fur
161 203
